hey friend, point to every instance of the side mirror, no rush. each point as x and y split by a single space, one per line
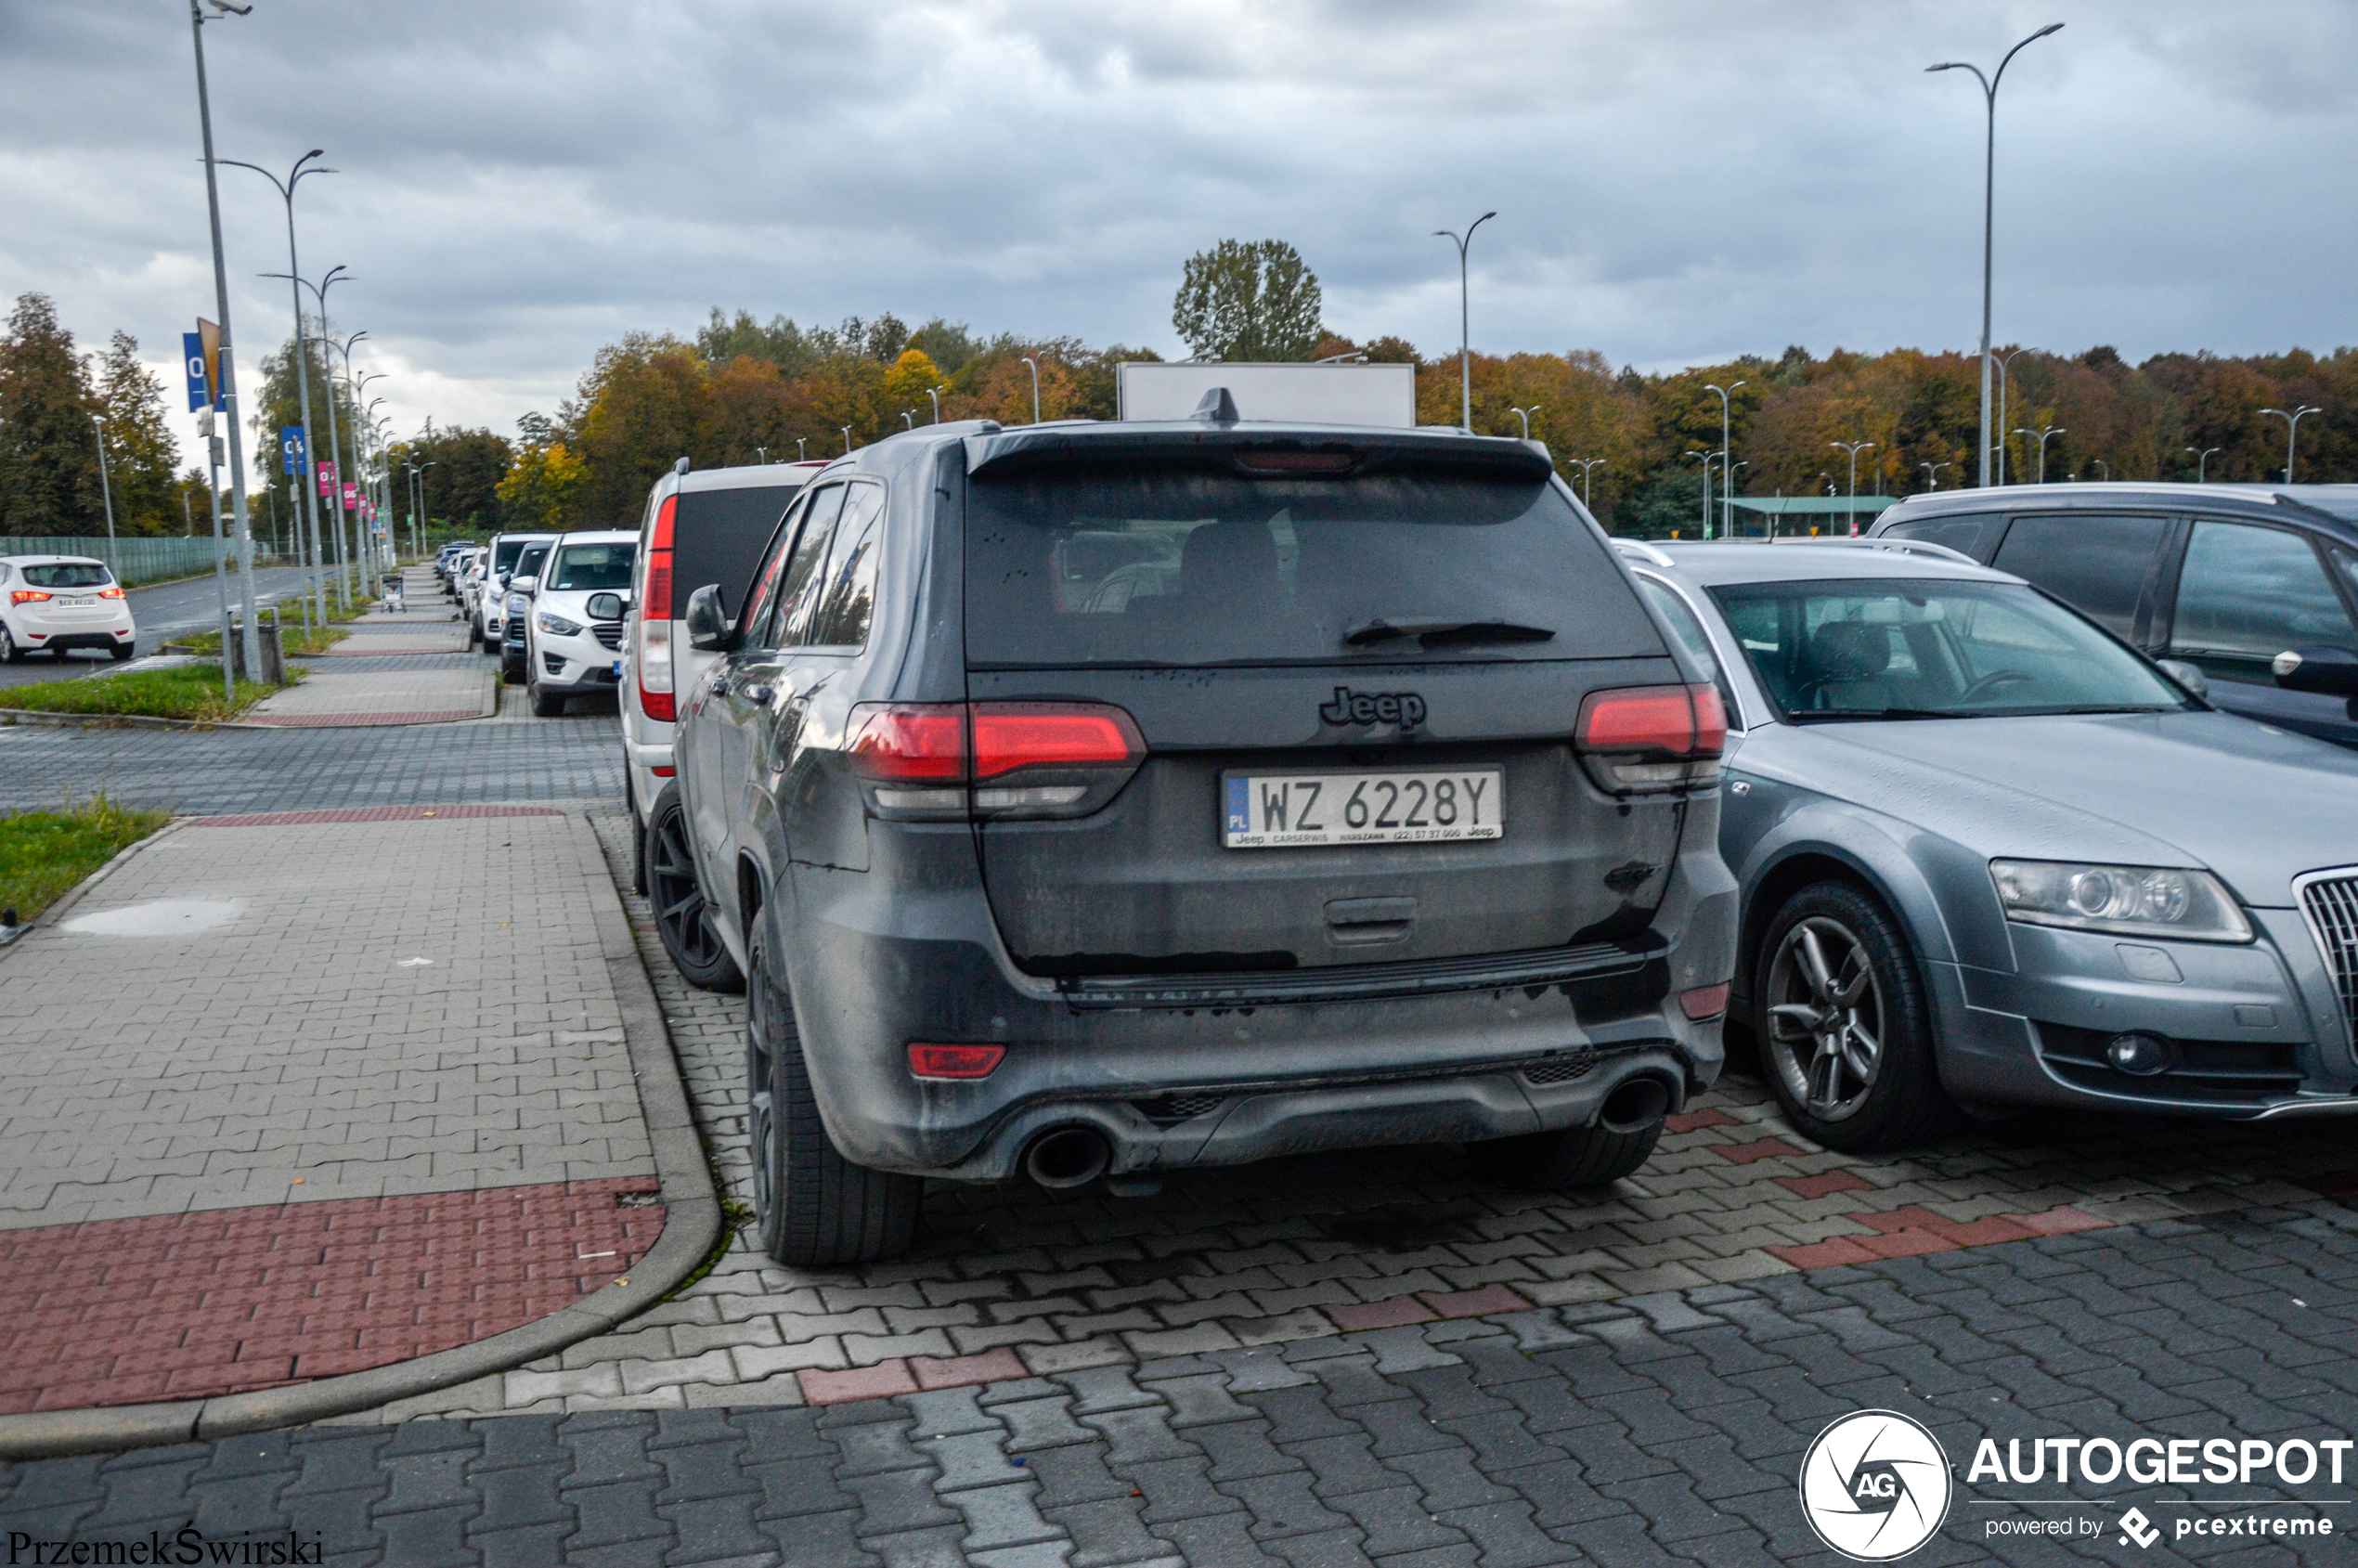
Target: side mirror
2333 671
2191 677
526 586
605 606
708 627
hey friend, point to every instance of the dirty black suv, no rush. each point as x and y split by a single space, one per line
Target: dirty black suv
1093 800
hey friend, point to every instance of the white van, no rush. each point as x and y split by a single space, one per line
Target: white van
700 527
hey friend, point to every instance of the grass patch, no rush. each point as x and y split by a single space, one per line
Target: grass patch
43 854
189 691
296 640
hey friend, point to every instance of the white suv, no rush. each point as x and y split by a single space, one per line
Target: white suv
62 601
708 527
568 651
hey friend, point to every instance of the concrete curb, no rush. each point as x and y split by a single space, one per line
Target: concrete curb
692 1225
115 720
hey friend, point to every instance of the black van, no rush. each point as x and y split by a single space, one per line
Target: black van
1092 800
2230 578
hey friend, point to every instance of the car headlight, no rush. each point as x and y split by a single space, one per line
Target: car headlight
2130 900
518 604
557 625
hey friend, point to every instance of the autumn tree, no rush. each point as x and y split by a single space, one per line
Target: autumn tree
1248 300
48 452
141 453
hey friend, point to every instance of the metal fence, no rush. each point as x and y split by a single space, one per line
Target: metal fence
140 559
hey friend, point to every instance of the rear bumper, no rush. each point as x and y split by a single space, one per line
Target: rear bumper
114 639
876 962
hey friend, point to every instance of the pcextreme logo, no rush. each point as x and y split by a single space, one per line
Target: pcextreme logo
1876 1486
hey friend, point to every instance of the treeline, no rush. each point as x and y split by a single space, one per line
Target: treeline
50 482
741 392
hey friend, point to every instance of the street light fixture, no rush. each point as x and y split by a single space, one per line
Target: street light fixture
1728 498
106 490
2292 431
1988 209
2105 469
334 276
908 419
846 441
2202 461
227 387
2004 361
1932 473
1586 464
801 452
1465 317
1524 415
1708 459
935 393
1035 388
2043 431
1854 448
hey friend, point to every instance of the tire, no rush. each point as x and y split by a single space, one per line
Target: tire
14 652
813 1208
545 702
1845 1027
638 833
123 651
1575 1157
475 631
682 921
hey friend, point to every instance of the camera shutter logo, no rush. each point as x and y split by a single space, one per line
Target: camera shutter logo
1876 1486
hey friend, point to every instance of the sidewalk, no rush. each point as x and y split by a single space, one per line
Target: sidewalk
434 690
293 1097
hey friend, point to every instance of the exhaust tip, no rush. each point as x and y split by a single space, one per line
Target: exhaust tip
1635 1104
1068 1157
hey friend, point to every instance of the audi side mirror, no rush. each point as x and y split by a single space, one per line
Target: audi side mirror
708 626
606 606
2197 683
2333 671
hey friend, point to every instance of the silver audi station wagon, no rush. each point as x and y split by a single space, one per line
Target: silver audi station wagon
1090 800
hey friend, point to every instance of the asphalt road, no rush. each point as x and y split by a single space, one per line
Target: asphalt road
163 612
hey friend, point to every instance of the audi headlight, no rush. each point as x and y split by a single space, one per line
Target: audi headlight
2130 900
557 625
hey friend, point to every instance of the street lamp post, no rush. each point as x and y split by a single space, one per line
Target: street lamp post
334 276
846 441
801 451
2292 431
1586 464
2106 468
935 393
1728 490
908 419
1988 210
1708 459
2003 362
2202 461
2043 431
1465 317
1854 448
1932 473
1035 388
252 639
1524 415
106 492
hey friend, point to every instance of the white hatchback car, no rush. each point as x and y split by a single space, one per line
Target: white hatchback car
569 652
62 601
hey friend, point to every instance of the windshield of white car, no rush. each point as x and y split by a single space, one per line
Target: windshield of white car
1883 649
593 566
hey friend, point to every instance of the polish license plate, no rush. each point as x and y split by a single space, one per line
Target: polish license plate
78 603
1291 810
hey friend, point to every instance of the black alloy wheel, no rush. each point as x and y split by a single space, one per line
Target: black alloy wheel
682 920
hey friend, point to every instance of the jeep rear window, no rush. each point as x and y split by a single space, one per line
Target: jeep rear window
717 537
1176 566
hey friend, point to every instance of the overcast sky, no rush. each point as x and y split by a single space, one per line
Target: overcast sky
1677 181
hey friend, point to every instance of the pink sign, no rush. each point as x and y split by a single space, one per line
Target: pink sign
351 496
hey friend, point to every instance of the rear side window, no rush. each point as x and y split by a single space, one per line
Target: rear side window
1174 566
593 566
2246 594
846 598
717 536
2098 564
68 573
1967 536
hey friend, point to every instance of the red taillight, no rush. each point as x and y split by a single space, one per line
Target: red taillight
1704 1001
656 705
111 593
664 772
953 1062
1012 735
1652 737
656 603
903 742
26 596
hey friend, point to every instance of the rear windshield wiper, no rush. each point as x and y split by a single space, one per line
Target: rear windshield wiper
1444 634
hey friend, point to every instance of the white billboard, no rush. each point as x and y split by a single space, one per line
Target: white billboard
1383 396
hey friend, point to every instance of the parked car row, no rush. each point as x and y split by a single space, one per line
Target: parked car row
1086 801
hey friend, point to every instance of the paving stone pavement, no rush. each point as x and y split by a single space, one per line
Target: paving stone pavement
1665 1429
330 695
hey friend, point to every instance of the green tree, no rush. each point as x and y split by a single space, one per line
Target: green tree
48 453
461 485
644 405
141 454
1248 300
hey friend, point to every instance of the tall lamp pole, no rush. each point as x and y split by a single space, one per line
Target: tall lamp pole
1465 317
2202 461
252 639
1854 448
1524 415
2043 431
2292 431
105 491
286 188
1586 464
1932 473
1035 388
2003 362
1988 209
1727 485
1708 459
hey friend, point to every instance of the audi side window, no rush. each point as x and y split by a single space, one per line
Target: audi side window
799 597
847 602
2248 593
1967 536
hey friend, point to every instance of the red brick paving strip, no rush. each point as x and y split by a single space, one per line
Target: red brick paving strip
1826 1185
226 1301
374 814
1688 1120
1744 1154
1912 1231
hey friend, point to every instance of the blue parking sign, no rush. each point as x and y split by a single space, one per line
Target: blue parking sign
192 360
291 454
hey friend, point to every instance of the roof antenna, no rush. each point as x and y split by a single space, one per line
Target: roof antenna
680 467
1217 407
